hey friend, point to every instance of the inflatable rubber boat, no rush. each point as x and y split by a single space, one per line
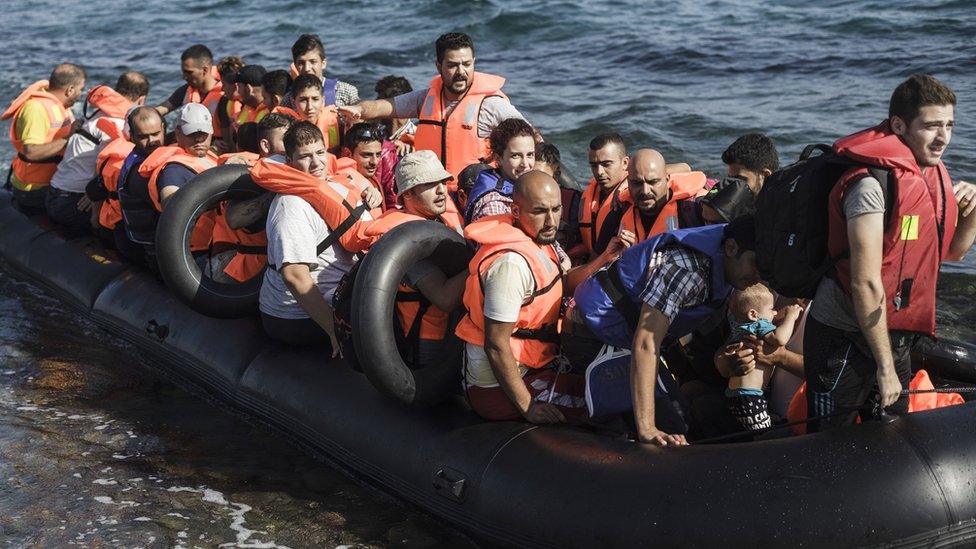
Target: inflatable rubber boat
909 483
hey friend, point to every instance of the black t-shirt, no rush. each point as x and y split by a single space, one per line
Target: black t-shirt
176 98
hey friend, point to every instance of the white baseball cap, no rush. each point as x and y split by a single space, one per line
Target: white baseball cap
193 118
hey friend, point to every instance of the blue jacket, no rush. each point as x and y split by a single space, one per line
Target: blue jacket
487 181
609 302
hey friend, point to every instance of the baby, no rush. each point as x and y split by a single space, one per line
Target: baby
753 312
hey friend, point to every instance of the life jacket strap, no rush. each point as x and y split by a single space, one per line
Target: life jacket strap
546 334
49 160
613 286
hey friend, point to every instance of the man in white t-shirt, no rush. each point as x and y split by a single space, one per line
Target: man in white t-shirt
66 202
300 282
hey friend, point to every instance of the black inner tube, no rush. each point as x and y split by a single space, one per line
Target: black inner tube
373 312
177 265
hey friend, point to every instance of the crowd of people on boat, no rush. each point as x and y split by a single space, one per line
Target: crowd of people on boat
652 264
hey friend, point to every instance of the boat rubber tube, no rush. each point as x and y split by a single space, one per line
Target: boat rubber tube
373 308
176 264
954 360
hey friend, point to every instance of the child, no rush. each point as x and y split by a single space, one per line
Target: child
753 312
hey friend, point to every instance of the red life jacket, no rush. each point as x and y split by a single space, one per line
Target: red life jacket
682 187
170 154
453 133
109 166
433 322
917 237
593 212
28 175
497 235
334 199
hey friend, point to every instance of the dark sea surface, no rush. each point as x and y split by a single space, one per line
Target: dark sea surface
684 77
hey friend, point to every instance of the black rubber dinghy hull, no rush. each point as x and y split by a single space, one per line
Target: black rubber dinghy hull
906 484
176 264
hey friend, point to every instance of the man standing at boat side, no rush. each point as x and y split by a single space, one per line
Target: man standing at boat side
457 112
42 123
864 321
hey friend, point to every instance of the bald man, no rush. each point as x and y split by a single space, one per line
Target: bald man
650 206
513 295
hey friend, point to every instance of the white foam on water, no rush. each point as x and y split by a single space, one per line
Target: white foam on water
76 475
142 519
120 456
109 501
237 512
177 515
104 481
27 408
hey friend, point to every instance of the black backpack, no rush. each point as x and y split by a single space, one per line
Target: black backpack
792 221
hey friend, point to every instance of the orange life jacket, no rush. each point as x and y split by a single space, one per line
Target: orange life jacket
916 403
534 341
233 108
110 102
211 100
452 133
29 175
334 199
593 212
250 114
327 123
251 248
109 128
433 321
249 157
682 187
281 109
153 166
109 166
